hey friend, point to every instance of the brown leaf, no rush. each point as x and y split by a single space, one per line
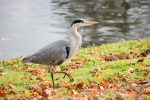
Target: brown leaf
79 85
1 70
63 88
140 60
128 56
131 84
147 91
47 92
70 94
107 69
35 94
88 57
132 63
2 88
11 86
58 96
36 71
142 64
38 89
105 83
110 57
132 93
3 94
18 96
140 82
25 76
94 91
46 81
26 96
135 51
145 53
9 82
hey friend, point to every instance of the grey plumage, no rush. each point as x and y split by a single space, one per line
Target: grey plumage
53 54
57 52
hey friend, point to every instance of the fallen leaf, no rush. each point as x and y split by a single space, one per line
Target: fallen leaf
18 96
46 81
25 76
145 53
140 82
26 96
10 85
3 94
128 56
94 91
47 92
142 64
79 85
146 91
38 89
35 94
105 83
131 84
70 94
36 71
1 70
132 93
135 51
107 69
140 60
2 88
58 96
110 57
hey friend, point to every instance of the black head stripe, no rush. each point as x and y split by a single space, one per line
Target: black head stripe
77 21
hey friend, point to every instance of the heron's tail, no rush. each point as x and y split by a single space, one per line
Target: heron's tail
26 60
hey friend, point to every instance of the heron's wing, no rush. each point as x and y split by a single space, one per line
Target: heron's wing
53 54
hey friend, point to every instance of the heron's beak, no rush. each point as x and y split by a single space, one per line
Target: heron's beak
90 22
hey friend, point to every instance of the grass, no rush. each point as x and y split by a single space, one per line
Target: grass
104 66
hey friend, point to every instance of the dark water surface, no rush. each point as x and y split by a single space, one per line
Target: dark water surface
28 25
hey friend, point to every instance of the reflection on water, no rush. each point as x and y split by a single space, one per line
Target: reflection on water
27 25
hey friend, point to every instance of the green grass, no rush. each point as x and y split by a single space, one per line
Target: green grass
89 65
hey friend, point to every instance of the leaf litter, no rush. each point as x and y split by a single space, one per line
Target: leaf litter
120 86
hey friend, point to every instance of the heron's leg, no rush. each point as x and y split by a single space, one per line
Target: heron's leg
52 77
69 76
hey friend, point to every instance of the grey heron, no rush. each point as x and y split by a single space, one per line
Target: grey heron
57 52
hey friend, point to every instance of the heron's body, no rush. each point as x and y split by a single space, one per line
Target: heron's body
53 54
58 52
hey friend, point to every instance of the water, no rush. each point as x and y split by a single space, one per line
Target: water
28 25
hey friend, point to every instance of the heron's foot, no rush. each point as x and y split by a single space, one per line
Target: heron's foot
66 74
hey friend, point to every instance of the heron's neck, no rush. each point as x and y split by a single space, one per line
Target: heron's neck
75 36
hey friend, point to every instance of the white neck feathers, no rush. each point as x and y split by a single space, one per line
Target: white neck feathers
76 41
76 36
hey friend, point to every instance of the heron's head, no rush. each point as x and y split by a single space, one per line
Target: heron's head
82 22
